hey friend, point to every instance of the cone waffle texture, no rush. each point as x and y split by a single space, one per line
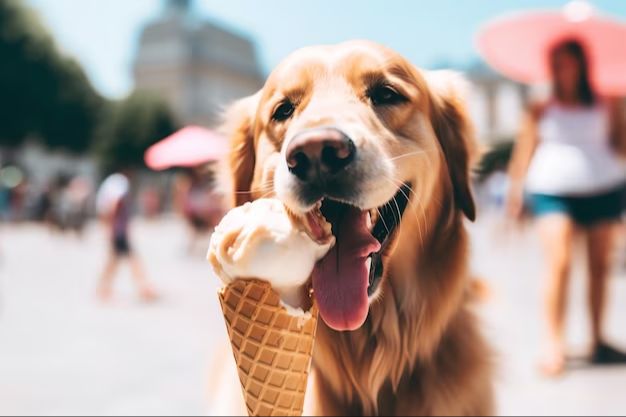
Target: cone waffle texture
272 349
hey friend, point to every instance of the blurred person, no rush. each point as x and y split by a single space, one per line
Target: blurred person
199 204
13 193
43 205
4 209
150 199
76 197
49 206
71 203
4 202
566 158
60 203
17 201
114 206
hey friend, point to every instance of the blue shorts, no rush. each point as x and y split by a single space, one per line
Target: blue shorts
584 211
121 246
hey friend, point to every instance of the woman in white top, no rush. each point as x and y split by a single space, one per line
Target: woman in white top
566 161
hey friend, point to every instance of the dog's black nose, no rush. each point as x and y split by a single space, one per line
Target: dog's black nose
319 153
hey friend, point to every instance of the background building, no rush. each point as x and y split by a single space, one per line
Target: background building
197 66
495 103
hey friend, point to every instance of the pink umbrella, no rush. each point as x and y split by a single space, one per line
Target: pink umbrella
190 146
517 45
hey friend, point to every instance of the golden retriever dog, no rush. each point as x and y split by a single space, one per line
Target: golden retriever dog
382 150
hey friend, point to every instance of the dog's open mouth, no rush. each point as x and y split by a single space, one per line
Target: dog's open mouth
352 270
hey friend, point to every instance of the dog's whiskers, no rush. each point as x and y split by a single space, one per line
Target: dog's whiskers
401 187
268 187
395 201
420 206
267 194
420 152
382 218
396 221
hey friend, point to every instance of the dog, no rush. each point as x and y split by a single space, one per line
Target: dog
383 150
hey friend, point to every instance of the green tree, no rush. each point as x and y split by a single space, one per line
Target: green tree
42 93
128 127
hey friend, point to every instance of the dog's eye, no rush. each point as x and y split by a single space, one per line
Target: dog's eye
283 111
385 95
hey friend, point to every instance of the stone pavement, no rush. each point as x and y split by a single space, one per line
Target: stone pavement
512 266
63 353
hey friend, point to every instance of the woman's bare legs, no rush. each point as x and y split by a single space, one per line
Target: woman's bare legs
557 236
105 287
600 240
146 291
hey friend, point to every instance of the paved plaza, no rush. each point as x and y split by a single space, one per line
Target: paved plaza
61 352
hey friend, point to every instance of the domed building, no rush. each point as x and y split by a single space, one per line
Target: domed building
197 66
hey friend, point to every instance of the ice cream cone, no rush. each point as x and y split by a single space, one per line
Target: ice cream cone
272 348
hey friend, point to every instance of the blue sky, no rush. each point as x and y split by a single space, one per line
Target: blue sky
103 34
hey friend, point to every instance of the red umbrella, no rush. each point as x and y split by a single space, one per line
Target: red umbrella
517 45
190 146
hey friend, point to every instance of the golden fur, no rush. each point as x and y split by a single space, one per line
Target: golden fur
420 351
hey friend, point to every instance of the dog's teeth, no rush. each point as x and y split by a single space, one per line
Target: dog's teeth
369 219
368 263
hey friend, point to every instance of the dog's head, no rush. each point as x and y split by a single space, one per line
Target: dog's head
355 133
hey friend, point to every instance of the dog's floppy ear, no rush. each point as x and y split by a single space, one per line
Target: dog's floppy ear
455 133
238 127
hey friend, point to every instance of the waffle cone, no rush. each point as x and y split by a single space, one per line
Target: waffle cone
272 349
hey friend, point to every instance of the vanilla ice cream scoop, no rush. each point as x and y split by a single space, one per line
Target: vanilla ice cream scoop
262 240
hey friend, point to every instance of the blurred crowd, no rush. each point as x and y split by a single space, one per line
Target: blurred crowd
66 202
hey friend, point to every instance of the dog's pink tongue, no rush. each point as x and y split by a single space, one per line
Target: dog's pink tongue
340 279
